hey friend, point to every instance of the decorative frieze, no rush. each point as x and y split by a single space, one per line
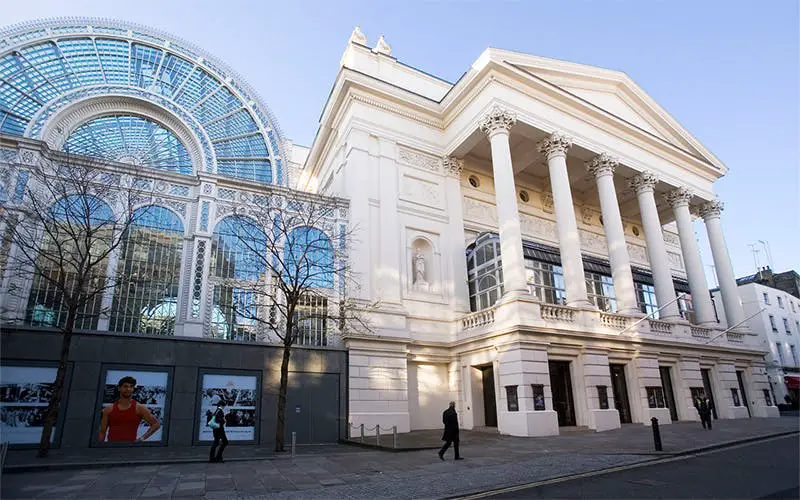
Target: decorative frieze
538 227
638 254
419 160
479 211
421 191
556 145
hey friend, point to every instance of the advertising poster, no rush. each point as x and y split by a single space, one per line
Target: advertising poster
150 391
25 392
239 394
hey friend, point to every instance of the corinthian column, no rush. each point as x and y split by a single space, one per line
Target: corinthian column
734 313
460 292
644 184
602 168
555 150
701 301
497 124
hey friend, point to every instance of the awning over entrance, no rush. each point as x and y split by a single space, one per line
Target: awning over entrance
792 382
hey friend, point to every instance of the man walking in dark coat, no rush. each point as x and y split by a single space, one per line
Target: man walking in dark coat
703 405
450 421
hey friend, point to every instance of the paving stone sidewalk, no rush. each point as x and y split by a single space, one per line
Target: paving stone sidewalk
349 472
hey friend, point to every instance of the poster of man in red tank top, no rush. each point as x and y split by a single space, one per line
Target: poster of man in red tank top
121 420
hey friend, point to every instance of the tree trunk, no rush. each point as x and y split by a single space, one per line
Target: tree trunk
51 416
280 432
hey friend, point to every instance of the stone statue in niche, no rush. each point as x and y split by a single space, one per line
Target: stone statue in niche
419 271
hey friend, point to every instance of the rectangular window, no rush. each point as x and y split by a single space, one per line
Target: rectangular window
646 297
310 320
779 348
793 309
735 397
600 289
786 326
538 397
546 281
511 398
602 395
780 302
794 354
686 307
767 397
772 323
766 298
655 397
797 326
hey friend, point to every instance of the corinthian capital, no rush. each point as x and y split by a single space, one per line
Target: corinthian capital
498 120
678 197
555 145
602 164
643 182
453 166
711 209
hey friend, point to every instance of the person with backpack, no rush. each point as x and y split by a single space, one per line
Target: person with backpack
217 424
703 405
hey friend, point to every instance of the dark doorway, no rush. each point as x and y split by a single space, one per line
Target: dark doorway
707 387
489 402
666 383
313 408
744 393
561 385
620 388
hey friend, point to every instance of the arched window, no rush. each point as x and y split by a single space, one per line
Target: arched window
64 243
308 255
485 272
149 269
238 274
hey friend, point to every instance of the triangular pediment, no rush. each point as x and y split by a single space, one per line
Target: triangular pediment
612 92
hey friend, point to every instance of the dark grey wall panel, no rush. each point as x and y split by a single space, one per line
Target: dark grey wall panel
317 376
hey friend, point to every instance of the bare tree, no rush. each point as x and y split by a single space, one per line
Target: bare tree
298 280
62 229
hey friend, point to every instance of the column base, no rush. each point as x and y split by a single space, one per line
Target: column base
529 424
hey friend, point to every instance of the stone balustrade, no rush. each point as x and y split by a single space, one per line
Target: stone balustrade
476 319
551 312
660 327
701 333
735 337
615 321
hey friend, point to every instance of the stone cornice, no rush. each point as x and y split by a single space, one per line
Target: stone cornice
643 182
498 121
556 145
601 165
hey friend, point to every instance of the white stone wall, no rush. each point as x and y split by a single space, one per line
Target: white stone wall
649 376
378 384
428 394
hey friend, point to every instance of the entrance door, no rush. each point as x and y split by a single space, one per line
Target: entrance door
489 402
561 385
666 383
620 388
744 393
709 392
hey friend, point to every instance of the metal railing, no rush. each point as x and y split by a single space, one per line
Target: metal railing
362 428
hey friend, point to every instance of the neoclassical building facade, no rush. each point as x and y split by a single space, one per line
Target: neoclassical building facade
526 232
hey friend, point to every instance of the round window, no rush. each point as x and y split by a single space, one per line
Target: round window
524 196
474 181
601 221
635 231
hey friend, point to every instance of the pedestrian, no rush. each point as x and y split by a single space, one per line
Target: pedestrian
217 423
450 421
704 406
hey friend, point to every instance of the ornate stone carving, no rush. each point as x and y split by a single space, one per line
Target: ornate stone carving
643 182
711 209
480 211
547 202
223 210
637 254
419 269
556 145
679 196
421 191
179 206
382 47
671 238
602 164
498 120
675 260
538 227
161 186
419 160
453 166
207 188
587 215
358 37
592 241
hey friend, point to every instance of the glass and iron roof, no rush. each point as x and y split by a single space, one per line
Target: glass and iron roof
46 65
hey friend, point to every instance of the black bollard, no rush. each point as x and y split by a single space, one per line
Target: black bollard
656 434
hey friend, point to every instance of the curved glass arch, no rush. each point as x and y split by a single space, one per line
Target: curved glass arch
484 271
148 273
308 254
33 76
55 269
130 139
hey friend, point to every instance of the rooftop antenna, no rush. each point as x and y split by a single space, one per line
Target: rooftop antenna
768 253
755 252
